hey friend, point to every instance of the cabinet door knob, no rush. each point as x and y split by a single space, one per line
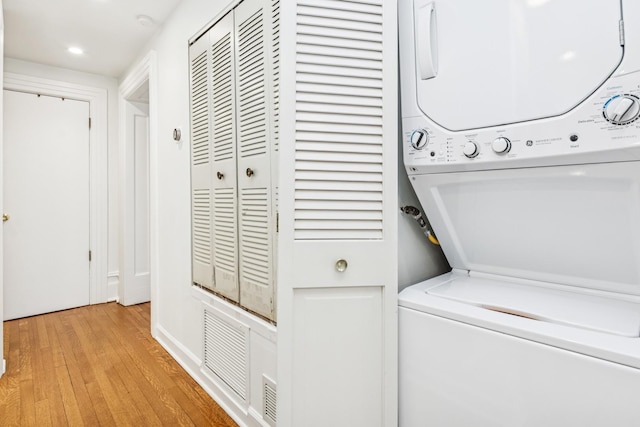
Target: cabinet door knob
341 265
5 217
249 172
220 175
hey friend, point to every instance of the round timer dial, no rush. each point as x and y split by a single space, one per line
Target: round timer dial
622 109
419 139
501 145
471 149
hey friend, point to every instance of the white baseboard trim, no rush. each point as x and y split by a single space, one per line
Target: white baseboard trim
113 281
192 364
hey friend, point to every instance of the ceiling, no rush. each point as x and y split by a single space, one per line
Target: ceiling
108 31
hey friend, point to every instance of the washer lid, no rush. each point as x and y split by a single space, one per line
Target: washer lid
495 62
575 225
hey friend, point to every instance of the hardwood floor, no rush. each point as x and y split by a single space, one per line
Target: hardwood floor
97 365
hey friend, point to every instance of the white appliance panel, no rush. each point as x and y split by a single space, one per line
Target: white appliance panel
488 63
574 225
585 135
455 374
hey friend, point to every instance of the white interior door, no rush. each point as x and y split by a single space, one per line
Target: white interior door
46 196
141 214
134 250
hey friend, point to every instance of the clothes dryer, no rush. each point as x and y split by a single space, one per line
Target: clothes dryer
522 141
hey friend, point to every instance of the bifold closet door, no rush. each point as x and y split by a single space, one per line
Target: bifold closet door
223 135
201 182
253 35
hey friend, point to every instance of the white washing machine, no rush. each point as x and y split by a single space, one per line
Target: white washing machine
522 140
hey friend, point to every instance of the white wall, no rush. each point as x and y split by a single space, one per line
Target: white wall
418 258
178 312
111 85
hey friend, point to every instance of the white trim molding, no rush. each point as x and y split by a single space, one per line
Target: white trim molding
98 212
4 362
145 70
113 281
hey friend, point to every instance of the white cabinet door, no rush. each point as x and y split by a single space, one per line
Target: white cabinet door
46 195
223 135
252 22
201 179
233 218
337 257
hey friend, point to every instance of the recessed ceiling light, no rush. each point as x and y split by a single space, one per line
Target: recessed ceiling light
537 3
75 50
145 20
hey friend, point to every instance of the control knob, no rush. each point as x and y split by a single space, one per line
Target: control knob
501 145
471 149
419 139
622 109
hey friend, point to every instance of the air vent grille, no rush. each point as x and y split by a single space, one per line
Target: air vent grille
269 402
225 350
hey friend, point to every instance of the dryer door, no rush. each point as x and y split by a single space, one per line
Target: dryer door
495 62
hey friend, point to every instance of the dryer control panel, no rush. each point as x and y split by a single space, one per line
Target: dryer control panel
604 128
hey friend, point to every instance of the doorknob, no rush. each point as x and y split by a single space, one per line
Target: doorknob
5 217
249 172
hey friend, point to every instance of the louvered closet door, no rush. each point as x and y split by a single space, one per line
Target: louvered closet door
201 190
338 201
274 59
223 135
254 168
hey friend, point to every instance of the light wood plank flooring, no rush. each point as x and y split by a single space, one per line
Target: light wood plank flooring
97 365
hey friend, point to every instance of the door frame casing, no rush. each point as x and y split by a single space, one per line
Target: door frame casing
145 71
98 167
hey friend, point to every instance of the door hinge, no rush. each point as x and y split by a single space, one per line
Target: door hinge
621 29
277 222
89 122
89 256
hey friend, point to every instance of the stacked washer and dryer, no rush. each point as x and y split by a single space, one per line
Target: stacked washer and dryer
521 139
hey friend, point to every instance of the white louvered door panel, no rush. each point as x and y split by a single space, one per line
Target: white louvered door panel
252 24
201 189
339 123
341 105
274 58
337 328
223 135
